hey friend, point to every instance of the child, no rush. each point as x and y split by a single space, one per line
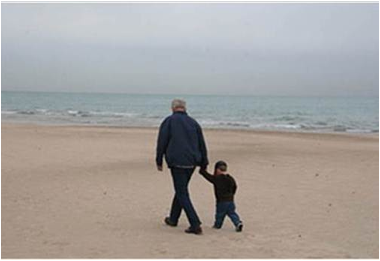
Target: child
224 188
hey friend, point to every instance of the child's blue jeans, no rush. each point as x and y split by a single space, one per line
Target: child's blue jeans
226 208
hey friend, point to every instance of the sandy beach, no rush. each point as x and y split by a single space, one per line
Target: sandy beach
94 192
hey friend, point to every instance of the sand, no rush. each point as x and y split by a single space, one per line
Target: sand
94 192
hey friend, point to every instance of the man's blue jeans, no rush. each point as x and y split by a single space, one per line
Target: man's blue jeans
181 200
226 208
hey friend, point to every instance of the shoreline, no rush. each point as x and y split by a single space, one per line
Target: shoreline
211 129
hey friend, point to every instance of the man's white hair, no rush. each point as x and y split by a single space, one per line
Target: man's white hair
178 103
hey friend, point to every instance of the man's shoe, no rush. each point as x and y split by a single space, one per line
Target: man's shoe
169 222
196 231
215 227
239 227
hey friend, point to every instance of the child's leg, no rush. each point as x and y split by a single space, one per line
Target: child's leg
233 215
221 212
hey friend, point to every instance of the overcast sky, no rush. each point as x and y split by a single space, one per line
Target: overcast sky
192 48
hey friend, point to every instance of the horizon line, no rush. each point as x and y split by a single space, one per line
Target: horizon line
192 94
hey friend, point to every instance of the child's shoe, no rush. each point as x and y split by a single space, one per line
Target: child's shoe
239 227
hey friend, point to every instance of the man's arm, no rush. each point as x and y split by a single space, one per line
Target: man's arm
206 175
162 142
202 147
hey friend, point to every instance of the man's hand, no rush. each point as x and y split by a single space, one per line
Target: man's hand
159 168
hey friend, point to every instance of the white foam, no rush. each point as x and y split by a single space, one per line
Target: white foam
8 112
72 112
114 114
42 110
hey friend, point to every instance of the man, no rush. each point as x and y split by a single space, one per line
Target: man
181 140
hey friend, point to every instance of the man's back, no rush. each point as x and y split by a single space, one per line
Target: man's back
181 141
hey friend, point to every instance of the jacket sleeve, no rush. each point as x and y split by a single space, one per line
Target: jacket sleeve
202 147
162 141
208 176
233 185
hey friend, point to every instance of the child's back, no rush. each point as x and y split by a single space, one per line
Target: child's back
224 186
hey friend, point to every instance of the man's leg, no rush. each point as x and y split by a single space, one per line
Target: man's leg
175 211
181 179
220 214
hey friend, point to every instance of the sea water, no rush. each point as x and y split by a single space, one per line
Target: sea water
318 114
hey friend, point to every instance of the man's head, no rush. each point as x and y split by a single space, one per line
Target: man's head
178 105
220 167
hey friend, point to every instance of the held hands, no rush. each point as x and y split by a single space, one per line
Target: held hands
203 170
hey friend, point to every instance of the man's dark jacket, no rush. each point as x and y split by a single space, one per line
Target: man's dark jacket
181 140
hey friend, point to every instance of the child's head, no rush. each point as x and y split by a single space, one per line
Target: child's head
220 167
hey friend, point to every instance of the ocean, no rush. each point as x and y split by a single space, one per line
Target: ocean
313 114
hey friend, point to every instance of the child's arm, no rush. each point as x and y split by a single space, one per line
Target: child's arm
233 185
206 175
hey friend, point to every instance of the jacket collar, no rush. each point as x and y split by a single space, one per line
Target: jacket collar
180 112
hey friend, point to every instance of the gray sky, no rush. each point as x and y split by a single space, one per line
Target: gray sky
192 48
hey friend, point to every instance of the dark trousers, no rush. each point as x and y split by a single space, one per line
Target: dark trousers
181 200
226 208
